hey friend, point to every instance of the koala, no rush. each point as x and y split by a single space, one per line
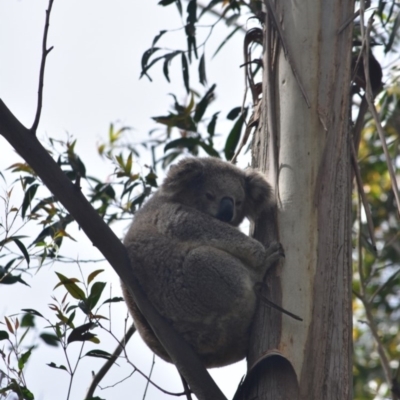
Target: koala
195 266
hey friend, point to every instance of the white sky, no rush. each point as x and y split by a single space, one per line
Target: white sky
91 80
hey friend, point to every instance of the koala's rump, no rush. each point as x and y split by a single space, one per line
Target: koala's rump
211 304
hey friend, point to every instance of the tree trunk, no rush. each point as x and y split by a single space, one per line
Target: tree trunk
303 147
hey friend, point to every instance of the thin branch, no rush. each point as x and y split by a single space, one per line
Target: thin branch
45 52
367 306
369 96
380 288
186 388
360 187
149 379
348 21
110 362
381 350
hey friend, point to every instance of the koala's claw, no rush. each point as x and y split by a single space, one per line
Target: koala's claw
274 253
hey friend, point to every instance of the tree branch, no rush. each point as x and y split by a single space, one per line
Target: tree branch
45 52
30 149
110 362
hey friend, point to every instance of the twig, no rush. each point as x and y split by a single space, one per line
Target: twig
381 350
45 52
150 373
348 21
367 306
186 388
357 173
380 288
370 97
110 362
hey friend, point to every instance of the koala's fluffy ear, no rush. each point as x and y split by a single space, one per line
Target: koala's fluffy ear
186 174
259 196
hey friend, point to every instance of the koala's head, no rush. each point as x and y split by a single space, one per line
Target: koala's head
218 188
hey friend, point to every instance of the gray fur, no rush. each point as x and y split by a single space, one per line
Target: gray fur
198 271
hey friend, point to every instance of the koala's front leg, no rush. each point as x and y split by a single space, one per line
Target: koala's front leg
199 229
253 253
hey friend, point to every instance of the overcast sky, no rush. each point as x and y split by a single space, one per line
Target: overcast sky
92 80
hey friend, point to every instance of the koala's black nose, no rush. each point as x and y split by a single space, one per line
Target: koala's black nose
225 211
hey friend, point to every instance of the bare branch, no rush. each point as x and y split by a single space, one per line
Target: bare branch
370 98
360 187
45 52
110 362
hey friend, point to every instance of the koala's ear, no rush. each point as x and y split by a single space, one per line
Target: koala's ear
182 176
259 196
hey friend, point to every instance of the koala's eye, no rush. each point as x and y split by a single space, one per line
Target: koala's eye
210 196
238 203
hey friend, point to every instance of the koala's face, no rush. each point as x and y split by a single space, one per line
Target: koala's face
220 194
217 188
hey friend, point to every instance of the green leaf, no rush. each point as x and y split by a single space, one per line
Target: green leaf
191 41
145 58
185 72
81 333
23 250
32 311
209 149
188 143
28 321
50 339
166 2
202 70
95 293
169 158
4 335
52 365
167 62
184 121
24 358
73 289
10 239
157 38
43 203
114 300
29 195
234 113
234 136
203 104
10 279
76 164
93 275
179 6
192 11
212 124
99 354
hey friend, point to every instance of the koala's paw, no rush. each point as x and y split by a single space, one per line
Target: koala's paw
273 254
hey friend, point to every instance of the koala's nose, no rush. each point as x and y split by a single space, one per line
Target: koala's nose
226 208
